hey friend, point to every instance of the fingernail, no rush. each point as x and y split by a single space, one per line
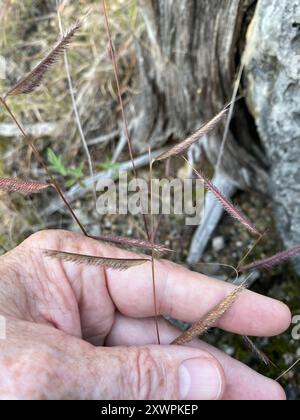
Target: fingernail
199 379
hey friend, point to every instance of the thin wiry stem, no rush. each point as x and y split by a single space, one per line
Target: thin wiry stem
273 261
249 252
198 265
116 73
155 298
45 167
75 108
230 114
161 216
255 350
152 251
288 370
117 79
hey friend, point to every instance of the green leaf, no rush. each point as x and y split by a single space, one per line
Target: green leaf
56 162
76 172
70 183
109 166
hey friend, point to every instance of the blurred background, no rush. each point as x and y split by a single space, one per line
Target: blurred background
179 64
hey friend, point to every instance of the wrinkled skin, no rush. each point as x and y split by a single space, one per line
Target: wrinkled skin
80 332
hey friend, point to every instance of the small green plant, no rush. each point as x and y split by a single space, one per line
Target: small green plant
108 165
72 175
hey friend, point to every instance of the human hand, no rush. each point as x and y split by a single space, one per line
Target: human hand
81 332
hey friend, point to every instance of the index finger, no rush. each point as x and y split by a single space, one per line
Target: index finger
181 294
189 296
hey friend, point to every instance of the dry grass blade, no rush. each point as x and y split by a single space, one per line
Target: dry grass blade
75 107
152 253
179 149
120 98
272 261
113 263
227 205
230 115
34 79
250 250
204 325
137 243
255 350
24 187
288 370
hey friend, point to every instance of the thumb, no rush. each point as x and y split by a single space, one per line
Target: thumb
157 373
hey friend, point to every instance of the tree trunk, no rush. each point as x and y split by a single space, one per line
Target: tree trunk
272 60
188 62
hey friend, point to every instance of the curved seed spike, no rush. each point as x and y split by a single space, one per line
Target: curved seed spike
25 187
273 261
180 148
204 325
34 79
138 243
227 205
113 263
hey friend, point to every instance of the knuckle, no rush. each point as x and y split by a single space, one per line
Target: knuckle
37 237
45 236
146 375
